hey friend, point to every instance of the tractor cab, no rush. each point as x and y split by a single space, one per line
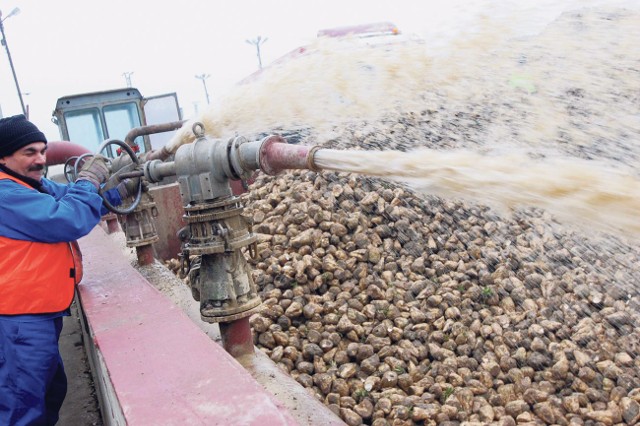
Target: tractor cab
89 119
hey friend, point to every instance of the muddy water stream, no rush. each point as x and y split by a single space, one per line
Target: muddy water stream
575 190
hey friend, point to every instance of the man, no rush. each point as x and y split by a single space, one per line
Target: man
39 268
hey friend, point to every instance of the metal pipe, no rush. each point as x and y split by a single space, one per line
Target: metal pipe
112 223
145 254
131 175
161 154
58 152
237 338
272 155
276 157
156 170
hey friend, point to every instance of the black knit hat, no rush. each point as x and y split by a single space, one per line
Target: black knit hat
16 132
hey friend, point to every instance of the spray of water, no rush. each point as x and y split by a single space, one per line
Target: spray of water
333 82
574 190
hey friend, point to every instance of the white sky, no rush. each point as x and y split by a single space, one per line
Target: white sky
72 46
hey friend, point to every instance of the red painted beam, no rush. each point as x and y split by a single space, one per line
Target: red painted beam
151 364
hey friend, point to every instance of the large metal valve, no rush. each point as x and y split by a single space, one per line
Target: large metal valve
73 165
216 231
127 171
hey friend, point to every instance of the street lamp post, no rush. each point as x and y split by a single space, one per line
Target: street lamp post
257 42
127 77
204 77
14 12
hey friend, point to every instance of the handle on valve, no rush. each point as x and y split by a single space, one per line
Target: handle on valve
123 175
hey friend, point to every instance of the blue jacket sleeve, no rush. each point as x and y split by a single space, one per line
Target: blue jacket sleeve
55 189
64 215
58 190
113 196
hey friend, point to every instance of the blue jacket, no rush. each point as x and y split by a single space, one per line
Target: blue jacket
67 213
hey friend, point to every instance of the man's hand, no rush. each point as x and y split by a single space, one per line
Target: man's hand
128 187
95 171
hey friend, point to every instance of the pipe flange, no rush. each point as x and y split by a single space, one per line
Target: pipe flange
311 164
264 147
213 216
240 170
224 317
212 205
149 171
195 249
143 241
243 241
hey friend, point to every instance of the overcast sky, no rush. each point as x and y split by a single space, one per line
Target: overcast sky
72 46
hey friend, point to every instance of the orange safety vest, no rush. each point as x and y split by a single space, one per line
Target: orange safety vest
37 278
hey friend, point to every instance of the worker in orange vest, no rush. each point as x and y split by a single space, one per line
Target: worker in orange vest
40 264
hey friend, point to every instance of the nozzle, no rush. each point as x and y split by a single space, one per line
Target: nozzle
272 155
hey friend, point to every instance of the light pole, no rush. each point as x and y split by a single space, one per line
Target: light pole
127 77
257 42
204 77
14 12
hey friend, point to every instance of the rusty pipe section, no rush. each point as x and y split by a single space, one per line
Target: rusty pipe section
151 129
58 152
273 155
161 154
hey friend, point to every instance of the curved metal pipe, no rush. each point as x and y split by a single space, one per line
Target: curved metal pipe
161 154
58 152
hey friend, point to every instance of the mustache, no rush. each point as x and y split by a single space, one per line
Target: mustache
36 168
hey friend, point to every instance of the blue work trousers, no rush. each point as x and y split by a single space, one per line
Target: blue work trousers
33 383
